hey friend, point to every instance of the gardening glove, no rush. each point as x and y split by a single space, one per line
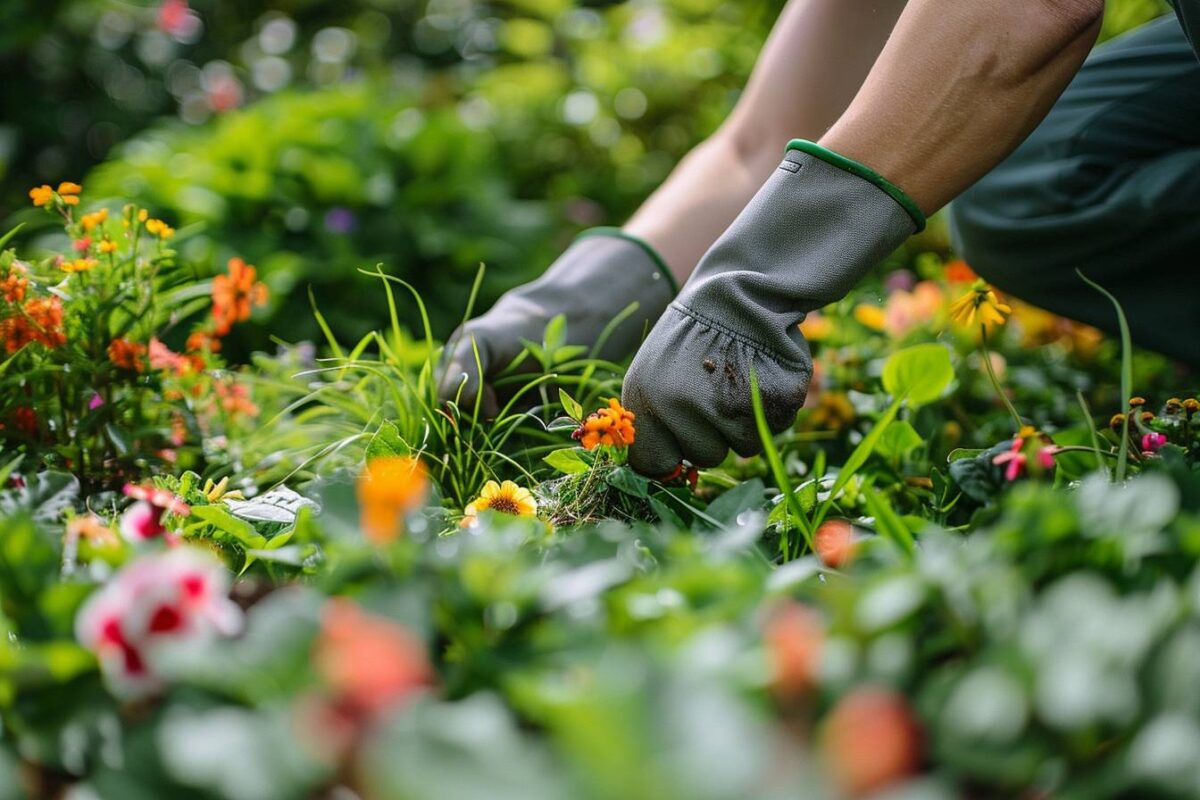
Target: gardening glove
593 283
814 228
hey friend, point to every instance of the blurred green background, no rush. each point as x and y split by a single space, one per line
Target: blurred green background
315 138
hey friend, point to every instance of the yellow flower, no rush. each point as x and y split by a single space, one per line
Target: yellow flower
872 317
611 427
41 195
389 488
107 245
156 227
217 492
143 215
89 221
979 304
78 265
505 498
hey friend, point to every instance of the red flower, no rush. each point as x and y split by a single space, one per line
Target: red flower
235 295
871 740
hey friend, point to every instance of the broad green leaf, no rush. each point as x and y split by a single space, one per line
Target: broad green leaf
222 520
624 479
919 374
898 439
567 461
387 441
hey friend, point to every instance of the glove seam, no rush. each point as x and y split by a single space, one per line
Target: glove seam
621 233
739 337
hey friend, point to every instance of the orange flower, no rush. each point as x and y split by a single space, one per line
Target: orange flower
870 316
389 488
905 310
608 427
107 245
203 341
235 295
89 221
41 195
40 320
958 271
816 326
128 355
235 399
835 544
68 192
369 662
164 358
871 740
794 635
14 284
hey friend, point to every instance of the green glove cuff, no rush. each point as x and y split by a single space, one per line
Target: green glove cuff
862 171
619 233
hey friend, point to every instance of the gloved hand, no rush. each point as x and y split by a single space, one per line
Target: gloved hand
809 235
592 283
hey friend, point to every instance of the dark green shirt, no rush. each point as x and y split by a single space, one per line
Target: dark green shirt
1188 12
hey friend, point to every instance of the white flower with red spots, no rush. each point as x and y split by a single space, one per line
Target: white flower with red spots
172 598
144 519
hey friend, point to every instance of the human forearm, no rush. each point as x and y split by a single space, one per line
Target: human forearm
958 86
815 60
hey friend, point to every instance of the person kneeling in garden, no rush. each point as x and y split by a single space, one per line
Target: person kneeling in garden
892 110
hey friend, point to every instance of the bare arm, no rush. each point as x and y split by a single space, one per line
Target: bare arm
959 85
810 69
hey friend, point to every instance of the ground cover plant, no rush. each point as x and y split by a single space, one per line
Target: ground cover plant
968 570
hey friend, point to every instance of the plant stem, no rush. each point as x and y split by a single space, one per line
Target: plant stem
987 363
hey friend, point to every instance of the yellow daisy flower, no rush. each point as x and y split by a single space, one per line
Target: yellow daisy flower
78 265
981 305
505 498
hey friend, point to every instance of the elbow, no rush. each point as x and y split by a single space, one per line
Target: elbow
753 144
1073 19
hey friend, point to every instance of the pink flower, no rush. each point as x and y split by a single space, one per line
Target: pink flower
168 599
95 401
1046 455
1152 443
1015 460
143 519
82 245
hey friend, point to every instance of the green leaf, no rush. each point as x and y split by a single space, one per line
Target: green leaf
624 479
239 529
898 439
556 333
387 441
859 457
888 523
919 374
570 405
566 353
567 461
743 497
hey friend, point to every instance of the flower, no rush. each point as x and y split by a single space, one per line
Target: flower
388 489
127 355
1016 460
164 358
980 303
1152 443
904 310
611 427
26 421
14 285
870 316
369 662
870 740
816 326
958 271
41 195
78 265
235 295
91 528
144 519
39 320
96 218
160 600
156 227
835 544
107 245
794 636
832 411
504 498
68 192
235 398
203 341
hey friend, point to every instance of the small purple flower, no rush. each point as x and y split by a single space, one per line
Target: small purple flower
1153 442
95 401
340 219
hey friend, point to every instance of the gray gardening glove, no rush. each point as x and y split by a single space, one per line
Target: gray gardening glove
809 235
592 283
